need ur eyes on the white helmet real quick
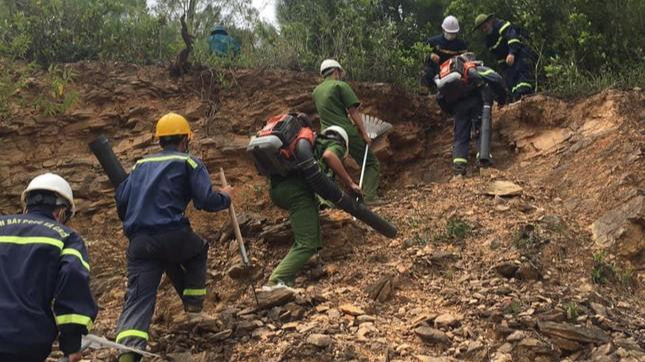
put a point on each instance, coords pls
(328, 64)
(450, 25)
(341, 132)
(51, 182)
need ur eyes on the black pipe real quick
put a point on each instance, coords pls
(327, 189)
(103, 151)
(485, 131)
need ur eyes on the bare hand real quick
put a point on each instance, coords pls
(366, 138)
(435, 58)
(510, 59)
(75, 357)
(228, 190)
(356, 190)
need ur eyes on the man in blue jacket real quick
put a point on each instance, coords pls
(222, 44)
(44, 276)
(444, 46)
(151, 202)
(514, 58)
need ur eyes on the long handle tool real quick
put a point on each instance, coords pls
(238, 234)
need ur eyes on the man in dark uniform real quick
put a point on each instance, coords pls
(44, 276)
(444, 46)
(151, 202)
(514, 58)
(469, 97)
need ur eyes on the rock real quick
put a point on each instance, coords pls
(574, 333)
(431, 335)
(475, 351)
(501, 357)
(534, 346)
(236, 271)
(622, 229)
(364, 330)
(423, 358)
(528, 271)
(333, 314)
(423, 318)
(599, 309)
(383, 289)
(365, 319)
(351, 310)
(507, 269)
(180, 357)
(245, 328)
(274, 298)
(222, 335)
(565, 344)
(319, 340)
(516, 336)
(503, 188)
(448, 320)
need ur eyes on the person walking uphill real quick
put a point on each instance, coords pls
(467, 89)
(444, 46)
(337, 105)
(514, 58)
(293, 192)
(44, 276)
(151, 202)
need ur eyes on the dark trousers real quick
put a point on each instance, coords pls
(182, 255)
(5, 357)
(467, 119)
(519, 77)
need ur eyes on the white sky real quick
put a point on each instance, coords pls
(266, 8)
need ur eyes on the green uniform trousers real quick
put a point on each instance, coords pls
(372, 169)
(293, 195)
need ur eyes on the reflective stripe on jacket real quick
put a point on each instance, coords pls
(154, 196)
(44, 284)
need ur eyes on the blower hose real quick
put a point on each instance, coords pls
(327, 189)
(103, 151)
(485, 132)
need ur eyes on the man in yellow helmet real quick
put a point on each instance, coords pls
(151, 202)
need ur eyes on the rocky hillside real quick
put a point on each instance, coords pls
(538, 259)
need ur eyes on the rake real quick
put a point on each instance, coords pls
(375, 128)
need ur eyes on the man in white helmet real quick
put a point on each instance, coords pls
(295, 193)
(44, 276)
(444, 46)
(337, 105)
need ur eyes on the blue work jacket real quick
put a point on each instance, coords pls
(44, 287)
(153, 198)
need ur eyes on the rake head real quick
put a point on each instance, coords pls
(375, 127)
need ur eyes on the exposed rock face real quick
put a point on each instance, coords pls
(622, 229)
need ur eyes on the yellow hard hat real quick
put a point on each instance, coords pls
(173, 124)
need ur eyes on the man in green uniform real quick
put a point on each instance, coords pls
(294, 194)
(337, 105)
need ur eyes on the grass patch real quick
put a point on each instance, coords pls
(604, 272)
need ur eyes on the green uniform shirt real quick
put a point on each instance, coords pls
(332, 99)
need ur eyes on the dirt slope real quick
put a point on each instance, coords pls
(471, 276)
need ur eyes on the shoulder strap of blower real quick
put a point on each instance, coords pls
(456, 64)
(290, 128)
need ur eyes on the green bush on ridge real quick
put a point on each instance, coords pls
(583, 46)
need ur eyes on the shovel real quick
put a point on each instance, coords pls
(249, 269)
